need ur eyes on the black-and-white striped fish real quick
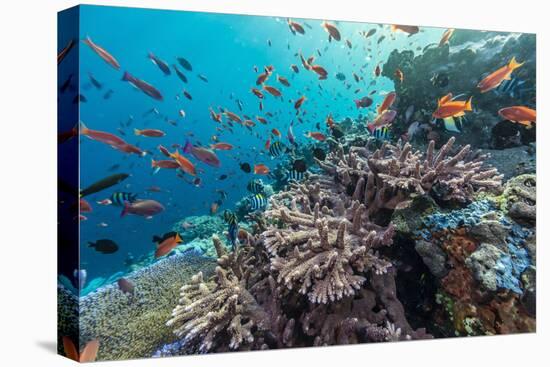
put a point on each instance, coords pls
(277, 149)
(257, 201)
(255, 186)
(293, 175)
(119, 198)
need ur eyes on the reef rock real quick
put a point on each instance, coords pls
(520, 194)
(199, 227)
(434, 257)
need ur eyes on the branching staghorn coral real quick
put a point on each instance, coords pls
(322, 252)
(386, 178)
(210, 313)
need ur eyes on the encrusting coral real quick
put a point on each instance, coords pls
(314, 273)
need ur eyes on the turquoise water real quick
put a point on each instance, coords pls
(225, 49)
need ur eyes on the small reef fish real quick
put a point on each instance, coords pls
(233, 117)
(187, 95)
(290, 135)
(151, 133)
(295, 68)
(255, 186)
(144, 208)
(101, 136)
(104, 246)
(167, 245)
(119, 198)
(163, 66)
(383, 119)
(387, 103)
(377, 71)
(261, 169)
(202, 154)
(513, 87)
(276, 132)
(245, 167)
(185, 64)
(164, 151)
(333, 32)
(494, 79)
(520, 114)
(142, 85)
(284, 81)
(203, 78)
(272, 90)
(65, 51)
(103, 184)
(106, 56)
(319, 70)
(364, 102)
(399, 75)
(125, 286)
(276, 149)
(293, 175)
(299, 102)
(295, 27)
(316, 135)
(447, 107)
(214, 207)
(257, 93)
(257, 201)
(180, 74)
(381, 133)
(233, 227)
(221, 146)
(184, 163)
(94, 81)
(409, 29)
(84, 206)
(168, 164)
(446, 37)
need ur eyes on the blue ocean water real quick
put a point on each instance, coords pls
(225, 49)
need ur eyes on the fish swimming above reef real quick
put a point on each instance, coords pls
(494, 79)
(388, 101)
(233, 227)
(65, 51)
(449, 107)
(520, 114)
(513, 87)
(409, 29)
(383, 119)
(255, 186)
(381, 133)
(104, 246)
(257, 202)
(277, 149)
(167, 244)
(142, 85)
(180, 74)
(144, 208)
(333, 32)
(103, 184)
(202, 154)
(106, 56)
(119, 198)
(364, 102)
(185, 164)
(163, 66)
(245, 167)
(293, 175)
(185, 64)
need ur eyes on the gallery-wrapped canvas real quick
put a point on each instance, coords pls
(234, 183)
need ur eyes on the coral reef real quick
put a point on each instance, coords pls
(132, 325)
(198, 227)
(463, 64)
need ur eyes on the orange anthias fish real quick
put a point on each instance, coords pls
(185, 164)
(272, 90)
(305, 63)
(63, 53)
(299, 102)
(233, 117)
(257, 93)
(152, 133)
(267, 144)
(164, 164)
(261, 169)
(295, 27)
(319, 70)
(107, 57)
(494, 79)
(214, 208)
(221, 146)
(330, 121)
(284, 81)
(399, 75)
(333, 32)
(166, 246)
(409, 29)
(316, 135)
(276, 132)
(520, 114)
(450, 108)
(446, 36)
(388, 102)
(88, 353)
(101, 136)
(215, 116)
(261, 119)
